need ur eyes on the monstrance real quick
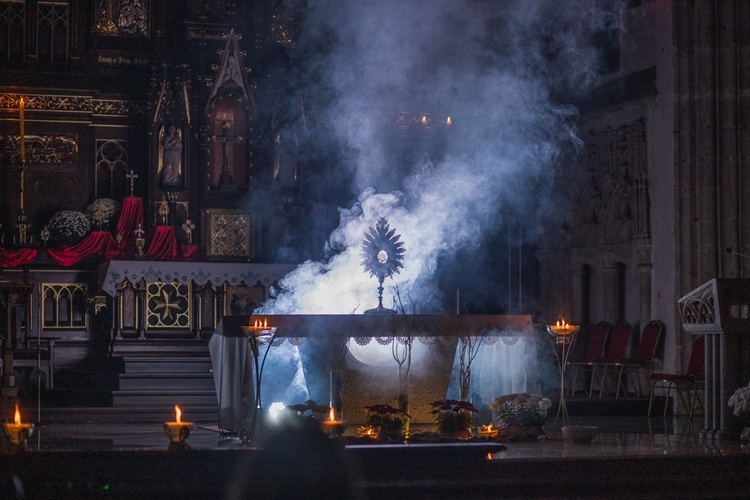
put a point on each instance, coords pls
(382, 256)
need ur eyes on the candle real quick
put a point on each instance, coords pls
(21, 106)
(17, 431)
(178, 431)
(368, 431)
(488, 431)
(333, 426)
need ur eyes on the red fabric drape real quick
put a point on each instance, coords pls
(13, 257)
(189, 252)
(100, 243)
(131, 216)
(162, 244)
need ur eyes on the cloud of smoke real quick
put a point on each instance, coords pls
(498, 69)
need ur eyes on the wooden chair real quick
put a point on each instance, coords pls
(35, 356)
(594, 349)
(640, 363)
(617, 348)
(690, 382)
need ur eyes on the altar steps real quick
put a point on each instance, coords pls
(162, 374)
(148, 414)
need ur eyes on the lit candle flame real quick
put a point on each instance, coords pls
(424, 120)
(17, 419)
(448, 121)
(332, 415)
(178, 414)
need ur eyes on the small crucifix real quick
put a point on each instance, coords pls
(132, 176)
(188, 227)
(225, 180)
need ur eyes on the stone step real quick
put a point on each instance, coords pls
(158, 348)
(166, 381)
(171, 364)
(162, 397)
(199, 414)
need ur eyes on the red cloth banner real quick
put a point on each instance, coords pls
(131, 217)
(14, 257)
(189, 252)
(162, 244)
(100, 243)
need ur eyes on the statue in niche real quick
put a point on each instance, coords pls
(133, 17)
(106, 15)
(171, 160)
(285, 159)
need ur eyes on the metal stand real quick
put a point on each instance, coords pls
(564, 338)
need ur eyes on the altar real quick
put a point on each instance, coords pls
(298, 354)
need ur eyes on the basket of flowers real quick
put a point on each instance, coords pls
(520, 414)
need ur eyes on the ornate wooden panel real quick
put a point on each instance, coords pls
(229, 235)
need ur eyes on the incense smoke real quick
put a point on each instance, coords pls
(500, 70)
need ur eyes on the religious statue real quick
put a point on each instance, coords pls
(171, 168)
(285, 159)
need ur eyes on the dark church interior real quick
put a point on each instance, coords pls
(270, 228)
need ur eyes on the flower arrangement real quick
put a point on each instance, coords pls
(740, 401)
(389, 421)
(102, 211)
(68, 226)
(520, 409)
(454, 417)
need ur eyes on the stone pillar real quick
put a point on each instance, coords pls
(645, 270)
(610, 292)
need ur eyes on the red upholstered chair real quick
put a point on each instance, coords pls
(640, 362)
(688, 383)
(597, 340)
(617, 348)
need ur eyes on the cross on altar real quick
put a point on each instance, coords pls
(188, 227)
(132, 176)
(225, 180)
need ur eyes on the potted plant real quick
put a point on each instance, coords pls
(387, 422)
(454, 417)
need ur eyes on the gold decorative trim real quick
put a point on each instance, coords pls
(168, 305)
(74, 104)
(64, 306)
(40, 148)
(230, 234)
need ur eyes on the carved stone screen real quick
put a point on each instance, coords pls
(229, 235)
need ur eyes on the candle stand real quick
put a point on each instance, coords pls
(562, 337)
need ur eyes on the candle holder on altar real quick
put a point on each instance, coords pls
(333, 427)
(18, 434)
(178, 432)
(489, 431)
(562, 334)
(368, 431)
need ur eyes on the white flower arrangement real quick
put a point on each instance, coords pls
(522, 409)
(68, 226)
(740, 400)
(102, 210)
